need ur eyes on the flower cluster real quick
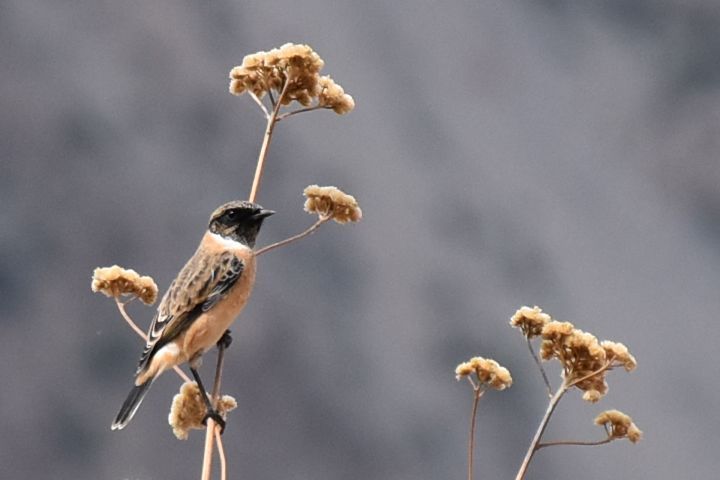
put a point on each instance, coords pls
(333, 96)
(618, 425)
(292, 71)
(188, 410)
(488, 372)
(530, 320)
(116, 281)
(332, 202)
(585, 361)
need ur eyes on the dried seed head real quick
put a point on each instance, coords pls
(332, 202)
(333, 96)
(116, 281)
(530, 320)
(188, 410)
(487, 371)
(295, 68)
(620, 354)
(585, 361)
(619, 425)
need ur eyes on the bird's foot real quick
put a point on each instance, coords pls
(215, 415)
(225, 340)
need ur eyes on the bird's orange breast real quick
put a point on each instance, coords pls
(210, 326)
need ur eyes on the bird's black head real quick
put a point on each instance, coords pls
(239, 220)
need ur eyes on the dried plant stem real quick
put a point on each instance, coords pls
(541, 429)
(300, 110)
(573, 442)
(133, 325)
(539, 364)
(607, 365)
(212, 430)
(207, 456)
(282, 243)
(221, 454)
(477, 393)
(271, 121)
(260, 104)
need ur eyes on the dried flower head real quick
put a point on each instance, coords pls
(530, 320)
(294, 69)
(116, 281)
(619, 425)
(333, 96)
(188, 410)
(619, 353)
(487, 371)
(332, 202)
(585, 361)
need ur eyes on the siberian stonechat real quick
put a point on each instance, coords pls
(202, 302)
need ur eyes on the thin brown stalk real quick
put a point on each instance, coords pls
(133, 325)
(207, 456)
(212, 428)
(300, 110)
(541, 429)
(592, 374)
(260, 104)
(271, 121)
(477, 393)
(282, 243)
(221, 455)
(573, 442)
(539, 364)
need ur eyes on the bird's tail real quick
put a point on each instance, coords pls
(131, 404)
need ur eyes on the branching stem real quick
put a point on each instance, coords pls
(300, 110)
(271, 120)
(539, 364)
(592, 374)
(541, 429)
(260, 104)
(133, 325)
(304, 234)
(573, 442)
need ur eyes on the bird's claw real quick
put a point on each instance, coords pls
(215, 415)
(225, 340)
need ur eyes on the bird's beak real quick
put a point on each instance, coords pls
(263, 213)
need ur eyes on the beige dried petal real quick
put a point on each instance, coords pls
(463, 370)
(530, 320)
(502, 379)
(333, 96)
(634, 434)
(620, 354)
(116, 281)
(557, 329)
(592, 396)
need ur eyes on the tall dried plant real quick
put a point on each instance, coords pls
(282, 82)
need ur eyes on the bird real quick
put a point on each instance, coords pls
(201, 303)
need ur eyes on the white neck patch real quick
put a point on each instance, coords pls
(228, 243)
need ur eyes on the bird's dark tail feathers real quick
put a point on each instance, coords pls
(131, 404)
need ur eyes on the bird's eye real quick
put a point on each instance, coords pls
(233, 214)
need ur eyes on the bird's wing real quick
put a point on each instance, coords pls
(202, 282)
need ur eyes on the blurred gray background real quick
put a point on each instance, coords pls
(558, 153)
